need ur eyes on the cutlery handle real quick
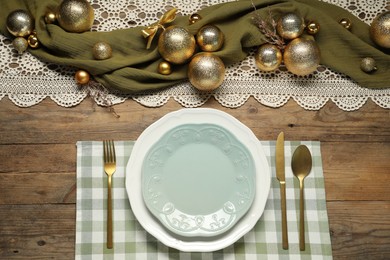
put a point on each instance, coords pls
(302, 218)
(284, 214)
(109, 214)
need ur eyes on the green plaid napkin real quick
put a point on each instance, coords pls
(131, 241)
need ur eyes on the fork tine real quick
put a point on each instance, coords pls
(113, 157)
(109, 151)
(105, 150)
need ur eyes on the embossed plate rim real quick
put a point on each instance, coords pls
(239, 198)
(134, 190)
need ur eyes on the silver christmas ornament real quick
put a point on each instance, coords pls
(75, 15)
(368, 65)
(20, 44)
(290, 26)
(20, 23)
(210, 38)
(102, 51)
(268, 57)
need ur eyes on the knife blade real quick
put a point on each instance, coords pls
(280, 174)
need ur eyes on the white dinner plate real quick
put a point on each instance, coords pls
(155, 132)
(198, 180)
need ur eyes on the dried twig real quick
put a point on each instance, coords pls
(268, 28)
(99, 93)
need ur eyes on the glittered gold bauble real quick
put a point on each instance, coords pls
(82, 77)
(20, 44)
(50, 17)
(206, 71)
(75, 15)
(268, 57)
(209, 38)
(290, 26)
(20, 23)
(33, 41)
(346, 23)
(102, 51)
(194, 18)
(176, 44)
(380, 30)
(301, 56)
(312, 27)
(164, 68)
(368, 65)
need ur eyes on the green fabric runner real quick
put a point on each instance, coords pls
(133, 68)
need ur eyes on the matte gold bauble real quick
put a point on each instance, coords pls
(82, 77)
(194, 18)
(50, 18)
(164, 68)
(33, 41)
(380, 30)
(206, 71)
(346, 23)
(102, 51)
(268, 57)
(75, 15)
(312, 28)
(209, 38)
(301, 56)
(176, 44)
(20, 44)
(290, 26)
(20, 23)
(368, 65)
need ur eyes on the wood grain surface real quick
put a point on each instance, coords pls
(38, 168)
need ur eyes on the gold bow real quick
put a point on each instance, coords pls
(151, 30)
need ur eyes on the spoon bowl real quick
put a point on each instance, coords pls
(301, 164)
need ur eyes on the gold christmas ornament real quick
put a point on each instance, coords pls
(176, 44)
(301, 56)
(82, 77)
(368, 65)
(312, 28)
(164, 68)
(268, 57)
(290, 26)
(151, 31)
(102, 51)
(210, 38)
(20, 23)
(380, 30)
(33, 41)
(75, 15)
(194, 18)
(346, 23)
(206, 71)
(50, 17)
(20, 44)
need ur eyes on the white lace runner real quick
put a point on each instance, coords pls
(27, 81)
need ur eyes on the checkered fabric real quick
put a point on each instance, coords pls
(131, 241)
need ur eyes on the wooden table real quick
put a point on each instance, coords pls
(38, 168)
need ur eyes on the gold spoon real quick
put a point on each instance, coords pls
(301, 166)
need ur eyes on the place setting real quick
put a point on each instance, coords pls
(199, 183)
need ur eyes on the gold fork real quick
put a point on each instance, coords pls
(109, 168)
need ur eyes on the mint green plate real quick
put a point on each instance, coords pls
(198, 180)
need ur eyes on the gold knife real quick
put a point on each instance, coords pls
(280, 174)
